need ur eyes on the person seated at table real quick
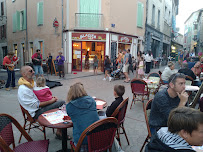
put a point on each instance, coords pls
(168, 71)
(42, 91)
(185, 129)
(166, 100)
(118, 93)
(191, 63)
(197, 70)
(28, 99)
(185, 70)
(82, 110)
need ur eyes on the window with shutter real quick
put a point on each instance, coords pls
(40, 13)
(91, 9)
(17, 20)
(140, 11)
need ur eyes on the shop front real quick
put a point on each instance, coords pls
(85, 46)
(124, 42)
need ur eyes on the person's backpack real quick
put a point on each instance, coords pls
(130, 59)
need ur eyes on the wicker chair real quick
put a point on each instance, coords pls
(100, 136)
(147, 110)
(119, 113)
(32, 123)
(139, 89)
(7, 137)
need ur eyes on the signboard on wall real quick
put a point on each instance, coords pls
(88, 36)
(124, 39)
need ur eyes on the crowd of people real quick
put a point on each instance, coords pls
(174, 126)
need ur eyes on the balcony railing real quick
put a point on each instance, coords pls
(89, 21)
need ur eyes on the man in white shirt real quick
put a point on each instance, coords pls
(148, 60)
(27, 98)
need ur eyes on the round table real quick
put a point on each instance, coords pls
(44, 122)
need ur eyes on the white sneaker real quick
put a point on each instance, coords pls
(110, 78)
(104, 79)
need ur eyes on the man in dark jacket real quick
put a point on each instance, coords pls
(185, 129)
(185, 70)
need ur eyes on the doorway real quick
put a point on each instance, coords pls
(84, 53)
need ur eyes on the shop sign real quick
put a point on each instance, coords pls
(88, 36)
(125, 39)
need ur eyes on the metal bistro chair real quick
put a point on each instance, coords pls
(32, 123)
(100, 136)
(119, 113)
(147, 110)
(7, 137)
(155, 87)
(139, 88)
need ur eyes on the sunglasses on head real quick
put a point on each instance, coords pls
(177, 75)
(31, 71)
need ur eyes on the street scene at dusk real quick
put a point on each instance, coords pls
(101, 75)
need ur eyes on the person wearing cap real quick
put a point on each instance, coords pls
(60, 59)
(37, 63)
(7, 62)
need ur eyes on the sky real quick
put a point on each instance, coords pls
(186, 8)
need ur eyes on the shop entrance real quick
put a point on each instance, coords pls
(84, 53)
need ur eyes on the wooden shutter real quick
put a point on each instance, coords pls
(17, 20)
(40, 13)
(14, 22)
(24, 20)
(140, 8)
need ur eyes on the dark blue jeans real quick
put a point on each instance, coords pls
(11, 78)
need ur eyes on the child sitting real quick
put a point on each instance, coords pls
(42, 91)
(119, 90)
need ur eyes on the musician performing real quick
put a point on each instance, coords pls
(9, 64)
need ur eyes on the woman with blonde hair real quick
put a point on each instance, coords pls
(82, 110)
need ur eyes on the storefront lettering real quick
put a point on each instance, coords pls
(124, 39)
(89, 36)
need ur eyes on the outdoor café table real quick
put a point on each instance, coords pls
(151, 84)
(101, 104)
(63, 126)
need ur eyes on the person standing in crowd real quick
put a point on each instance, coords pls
(37, 63)
(166, 100)
(141, 68)
(185, 129)
(168, 71)
(107, 67)
(119, 59)
(139, 54)
(130, 62)
(180, 58)
(148, 60)
(7, 63)
(60, 59)
(49, 61)
(95, 64)
(125, 66)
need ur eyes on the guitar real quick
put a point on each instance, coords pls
(11, 68)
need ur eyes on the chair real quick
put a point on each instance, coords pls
(147, 110)
(7, 137)
(32, 123)
(189, 80)
(155, 87)
(100, 135)
(119, 113)
(139, 88)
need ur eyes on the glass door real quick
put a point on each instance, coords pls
(77, 60)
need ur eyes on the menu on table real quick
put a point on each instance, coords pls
(55, 117)
(100, 104)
